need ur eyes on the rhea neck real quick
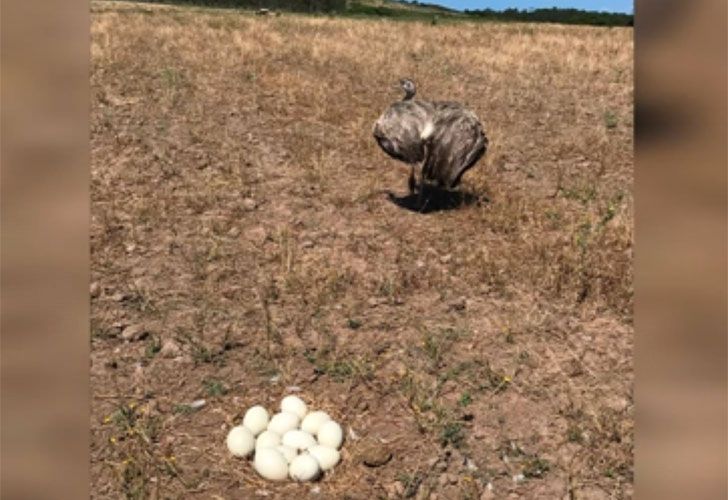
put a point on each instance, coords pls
(409, 93)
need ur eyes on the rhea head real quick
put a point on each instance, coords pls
(409, 88)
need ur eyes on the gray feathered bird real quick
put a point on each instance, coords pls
(445, 138)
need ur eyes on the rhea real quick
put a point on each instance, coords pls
(444, 139)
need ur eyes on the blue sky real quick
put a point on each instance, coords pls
(607, 5)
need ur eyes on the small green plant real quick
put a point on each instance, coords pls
(405, 478)
(133, 480)
(130, 421)
(584, 193)
(136, 430)
(623, 470)
(171, 77)
(452, 434)
(124, 418)
(432, 347)
(339, 370)
(154, 345)
(310, 356)
(554, 217)
(491, 379)
(582, 235)
(183, 409)
(138, 300)
(353, 323)
(101, 332)
(214, 388)
(387, 288)
(465, 399)
(436, 344)
(410, 482)
(535, 467)
(574, 434)
(610, 120)
(200, 352)
(203, 354)
(456, 371)
(611, 209)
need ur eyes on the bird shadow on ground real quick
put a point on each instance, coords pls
(436, 200)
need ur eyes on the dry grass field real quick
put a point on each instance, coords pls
(244, 246)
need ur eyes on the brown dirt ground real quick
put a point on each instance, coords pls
(243, 247)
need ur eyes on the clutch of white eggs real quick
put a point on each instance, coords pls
(293, 442)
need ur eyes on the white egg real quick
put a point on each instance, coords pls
(326, 457)
(298, 439)
(288, 452)
(304, 468)
(295, 405)
(283, 422)
(267, 439)
(240, 441)
(330, 434)
(256, 419)
(270, 464)
(312, 422)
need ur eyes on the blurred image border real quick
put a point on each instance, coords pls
(44, 269)
(680, 265)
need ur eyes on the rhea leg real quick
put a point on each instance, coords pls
(420, 189)
(425, 173)
(412, 181)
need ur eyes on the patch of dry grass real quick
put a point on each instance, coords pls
(238, 217)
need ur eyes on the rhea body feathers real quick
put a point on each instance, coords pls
(445, 138)
(403, 128)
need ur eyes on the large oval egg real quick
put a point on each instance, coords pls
(304, 468)
(330, 434)
(256, 419)
(270, 464)
(313, 421)
(283, 422)
(295, 405)
(298, 439)
(288, 453)
(326, 457)
(240, 441)
(267, 439)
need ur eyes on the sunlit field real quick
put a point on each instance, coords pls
(248, 240)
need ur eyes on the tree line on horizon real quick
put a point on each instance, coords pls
(433, 12)
(556, 15)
